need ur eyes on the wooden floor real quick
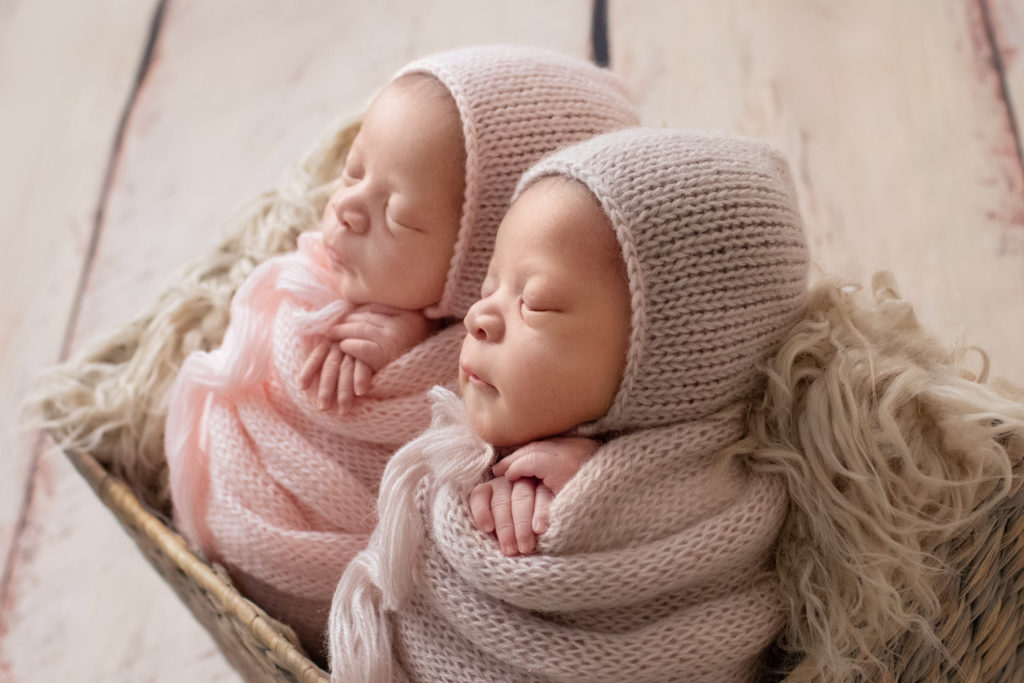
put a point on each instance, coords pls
(129, 128)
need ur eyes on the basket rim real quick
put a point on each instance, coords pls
(132, 514)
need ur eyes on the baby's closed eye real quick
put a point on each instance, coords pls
(535, 307)
(397, 220)
(533, 301)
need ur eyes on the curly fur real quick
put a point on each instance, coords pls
(890, 446)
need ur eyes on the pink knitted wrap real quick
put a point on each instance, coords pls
(282, 494)
(657, 563)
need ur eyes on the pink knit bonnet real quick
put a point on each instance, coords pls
(716, 259)
(517, 104)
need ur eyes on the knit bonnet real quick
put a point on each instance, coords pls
(517, 104)
(716, 260)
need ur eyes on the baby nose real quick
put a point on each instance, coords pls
(349, 215)
(354, 220)
(483, 323)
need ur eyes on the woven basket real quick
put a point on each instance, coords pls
(116, 444)
(255, 644)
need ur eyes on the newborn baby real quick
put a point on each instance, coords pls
(276, 441)
(638, 282)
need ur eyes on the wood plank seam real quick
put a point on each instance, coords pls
(19, 527)
(600, 52)
(115, 154)
(999, 66)
(83, 278)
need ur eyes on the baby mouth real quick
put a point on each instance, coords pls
(335, 256)
(475, 379)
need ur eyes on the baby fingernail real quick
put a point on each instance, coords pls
(508, 549)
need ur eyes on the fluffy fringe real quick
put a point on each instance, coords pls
(889, 447)
(111, 399)
(360, 631)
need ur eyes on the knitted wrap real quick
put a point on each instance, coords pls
(517, 104)
(657, 562)
(716, 258)
(282, 494)
(277, 491)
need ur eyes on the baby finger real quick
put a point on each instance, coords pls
(501, 510)
(542, 509)
(313, 364)
(369, 352)
(362, 378)
(329, 378)
(346, 394)
(480, 507)
(522, 515)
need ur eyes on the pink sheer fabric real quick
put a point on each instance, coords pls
(277, 491)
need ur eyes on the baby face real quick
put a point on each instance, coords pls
(390, 227)
(546, 344)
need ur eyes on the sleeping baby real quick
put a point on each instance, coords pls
(638, 283)
(277, 440)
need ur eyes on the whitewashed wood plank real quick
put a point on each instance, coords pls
(240, 89)
(86, 606)
(1005, 18)
(900, 146)
(66, 73)
(58, 128)
(237, 90)
(58, 118)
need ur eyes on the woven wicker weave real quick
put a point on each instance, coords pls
(983, 622)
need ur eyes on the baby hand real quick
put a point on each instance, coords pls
(515, 512)
(515, 505)
(339, 374)
(551, 461)
(355, 349)
(376, 334)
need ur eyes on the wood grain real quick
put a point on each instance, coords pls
(58, 119)
(892, 117)
(1006, 22)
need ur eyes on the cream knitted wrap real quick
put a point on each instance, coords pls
(281, 494)
(652, 572)
(657, 562)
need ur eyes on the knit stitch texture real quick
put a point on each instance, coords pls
(657, 563)
(281, 494)
(517, 104)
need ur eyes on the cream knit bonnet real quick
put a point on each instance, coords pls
(517, 104)
(716, 259)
